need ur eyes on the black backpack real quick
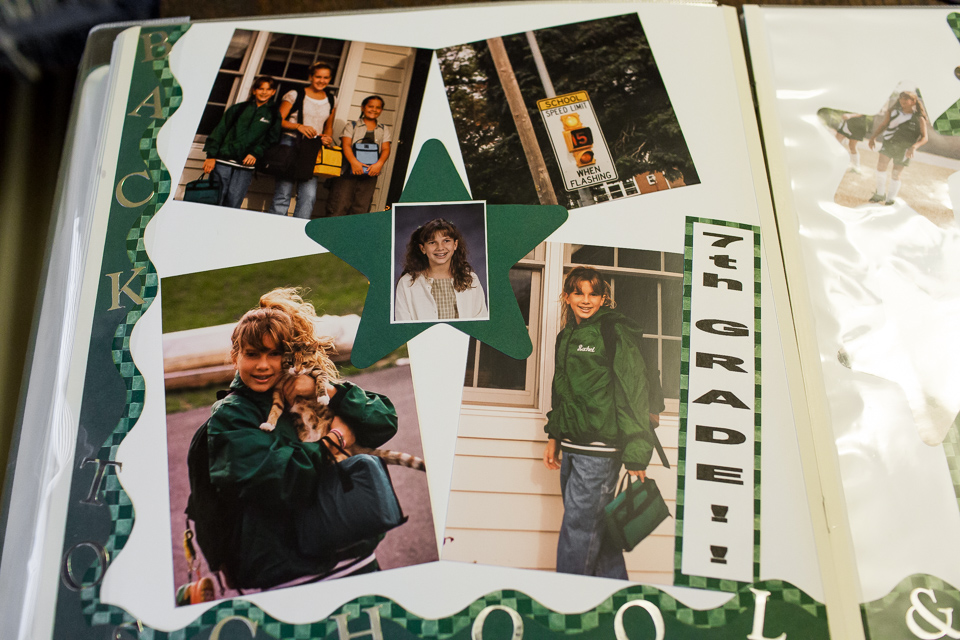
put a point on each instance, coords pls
(212, 512)
(294, 162)
(655, 399)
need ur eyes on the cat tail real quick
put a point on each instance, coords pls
(398, 458)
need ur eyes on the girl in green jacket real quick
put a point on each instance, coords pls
(599, 420)
(244, 132)
(271, 477)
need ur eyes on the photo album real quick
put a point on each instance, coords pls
(499, 321)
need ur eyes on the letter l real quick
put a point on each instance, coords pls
(759, 614)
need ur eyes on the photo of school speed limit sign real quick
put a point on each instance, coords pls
(577, 140)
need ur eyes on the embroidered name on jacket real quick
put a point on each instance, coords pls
(583, 348)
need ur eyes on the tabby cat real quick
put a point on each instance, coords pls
(313, 416)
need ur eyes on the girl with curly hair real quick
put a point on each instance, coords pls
(438, 282)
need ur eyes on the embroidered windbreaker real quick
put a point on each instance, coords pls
(272, 476)
(600, 398)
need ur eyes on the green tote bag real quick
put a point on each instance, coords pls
(635, 512)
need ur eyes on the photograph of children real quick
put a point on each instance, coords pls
(440, 262)
(896, 157)
(609, 59)
(543, 443)
(306, 126)
(250, 467)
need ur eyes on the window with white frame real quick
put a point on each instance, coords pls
(494, 378)
(646, 285)
(607, 191)
(284, 56)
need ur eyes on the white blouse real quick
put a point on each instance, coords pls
(416, 303)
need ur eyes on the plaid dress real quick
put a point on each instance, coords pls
(446, 298)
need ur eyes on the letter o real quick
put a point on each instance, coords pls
(126, 202)
(476, 633)
(66, 571)
(655, 615)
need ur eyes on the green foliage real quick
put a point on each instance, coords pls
(217, 297)
(610, 59)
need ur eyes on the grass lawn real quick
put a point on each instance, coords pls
(217, 297)
(221, 296)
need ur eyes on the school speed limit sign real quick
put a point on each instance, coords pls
(577, 140)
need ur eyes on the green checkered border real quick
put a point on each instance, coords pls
(680, 578)
(121, 509)
(951, 449)
(948, 124)
(443, 628)
(901, 593)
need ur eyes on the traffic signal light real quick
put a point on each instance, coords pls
(579, 139)
(584, 158)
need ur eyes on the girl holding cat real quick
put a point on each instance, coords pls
(270, 476)
(599, 420)
(438, 282)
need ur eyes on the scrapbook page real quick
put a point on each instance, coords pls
(374, 317)
(864, 169)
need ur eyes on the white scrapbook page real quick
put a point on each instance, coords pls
(487, 202)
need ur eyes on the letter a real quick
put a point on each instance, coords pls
(722, 397)
(153, 99)
(759, 615)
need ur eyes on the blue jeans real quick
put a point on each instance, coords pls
(588, 484)
(306, 193)
(234, 183)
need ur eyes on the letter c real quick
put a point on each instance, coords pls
(251, 627)
(126, 202)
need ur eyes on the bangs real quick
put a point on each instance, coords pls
(256, 325)
(436, 227)
(575, 281)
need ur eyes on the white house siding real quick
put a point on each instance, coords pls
(505, 507)
(369, 69)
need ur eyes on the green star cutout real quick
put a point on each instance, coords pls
(364, 242)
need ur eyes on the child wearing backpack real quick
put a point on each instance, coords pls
(244, 132)
(902, 131)
(599, 421)
(366, 147)
(309, 113)
(247, 510)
